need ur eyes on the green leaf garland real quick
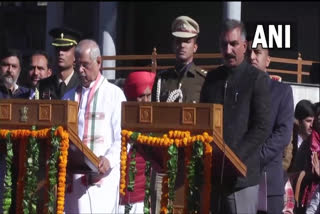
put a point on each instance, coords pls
(127, 208)
(147, 173)
(7, 196)
(172, 165)
(32, 167)
(195, 177)
(132, 169)
(53, 169)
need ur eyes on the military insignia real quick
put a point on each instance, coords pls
(202, 72)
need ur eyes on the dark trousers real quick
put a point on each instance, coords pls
(244, 201)
(275, 204)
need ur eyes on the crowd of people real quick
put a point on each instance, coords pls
(278, 142)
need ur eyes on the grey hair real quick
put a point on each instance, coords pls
(231, 24)
(94, 52)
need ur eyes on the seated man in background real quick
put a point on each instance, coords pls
(304, 115)
(10, 69)
(311, 193)
(137, 87)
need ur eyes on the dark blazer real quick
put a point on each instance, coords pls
(20, 93)
(245, 95)
(51, 84)
(282, 118)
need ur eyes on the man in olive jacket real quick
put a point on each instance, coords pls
(244, 92)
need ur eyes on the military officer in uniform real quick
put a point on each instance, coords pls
(64, 79)
(184, 82)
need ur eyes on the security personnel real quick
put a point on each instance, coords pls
(182, 83)
(65, 78)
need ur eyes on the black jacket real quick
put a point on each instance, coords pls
(51, 84)
(245, 95)
(20, 93)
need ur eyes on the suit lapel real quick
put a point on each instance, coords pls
(74, 82)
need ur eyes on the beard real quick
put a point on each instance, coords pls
(8, 81)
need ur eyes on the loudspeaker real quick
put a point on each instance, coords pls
(315, 73)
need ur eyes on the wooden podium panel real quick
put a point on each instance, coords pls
(154, 117)
(23, 114)
(160, 118)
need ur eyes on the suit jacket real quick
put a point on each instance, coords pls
(282, 118)
(245, 95)
(20, 93)
(51, 84)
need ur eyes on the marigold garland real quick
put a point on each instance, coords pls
(207, 159)
(165, 195)
(180, 139)
(123, 161)
(63, 156)
(63, 161)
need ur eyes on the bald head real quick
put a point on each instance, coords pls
(91, 46)
(88, 61)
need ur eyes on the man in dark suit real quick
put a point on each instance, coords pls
(282, 119)
(64, 79)
(244, 92)
(10, 69)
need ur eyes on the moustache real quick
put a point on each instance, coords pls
(229, 56)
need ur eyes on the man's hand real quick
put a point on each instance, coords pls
(104, 165)
(315, 163)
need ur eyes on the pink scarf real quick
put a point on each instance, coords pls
(311, 187)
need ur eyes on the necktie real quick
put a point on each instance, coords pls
(62, 89)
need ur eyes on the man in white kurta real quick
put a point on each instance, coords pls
(100, 129)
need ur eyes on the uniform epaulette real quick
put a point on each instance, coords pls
(202, 71)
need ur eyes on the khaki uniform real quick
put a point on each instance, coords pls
(189, 79)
